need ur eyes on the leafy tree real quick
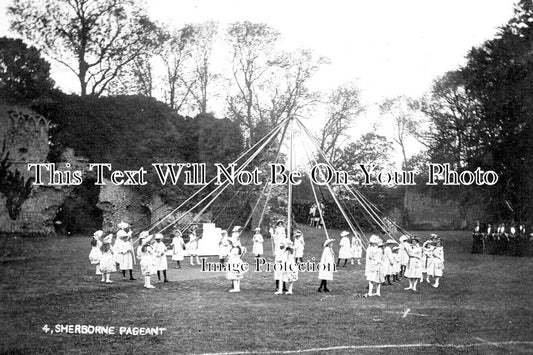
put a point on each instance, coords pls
(95, 39)
(484, 112)
(135, 131)
(13, 186)
(371, 149)
(24, 75)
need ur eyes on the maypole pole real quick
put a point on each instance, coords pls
(289, 198)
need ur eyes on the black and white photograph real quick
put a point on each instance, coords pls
(266, 177)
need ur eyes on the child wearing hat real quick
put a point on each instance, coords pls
(388, 260)
(345, 248)
(192, 245)
(326, 266)
(414, 268)
(299, 245)
(124, 253)
(373, 268)
(234, 271)
(396, 265)
(427, 258)
(107, 261)
(290, 271)
(160, 253)
(437, 265)
(146, 258)
(404, 256)
(357, 249)
(95, 255)
(257, 248)
(177, 248)
(224, 247)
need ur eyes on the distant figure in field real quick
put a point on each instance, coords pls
(477, 240)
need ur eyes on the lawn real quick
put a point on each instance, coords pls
(483, 305)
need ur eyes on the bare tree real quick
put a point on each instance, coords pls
(176, 55)
(343, 107)
(95, 39)
(202, 50)
(286, 92)
(252, 46)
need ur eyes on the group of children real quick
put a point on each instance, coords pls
(383, 259)
(407, 259)
(109, 255)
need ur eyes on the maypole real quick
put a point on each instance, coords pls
(289, 197)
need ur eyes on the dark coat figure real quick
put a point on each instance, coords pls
(477, 240)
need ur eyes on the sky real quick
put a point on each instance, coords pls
(388, 47)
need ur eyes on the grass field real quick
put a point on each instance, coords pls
(484, 305)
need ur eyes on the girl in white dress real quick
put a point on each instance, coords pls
(327, 265)
(404, 256)
(257, 248)
(388, 260)
(357, 249)
(95, 255)
(437, 265)
(427, 257)
(107, 261)
(177, 249)
(124, 253)
(373, 269)
(299, 246)
(192, 245)
(234, 271)
(224, 247)
(345, 250)
(145, 254)
(414, 267)
(396, 266)
(160, 253)
(290, 271)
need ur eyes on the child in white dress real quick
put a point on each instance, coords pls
(234, 270)
(146, 258)
(160, 253)
(373, 270)
(357, 249)
(95, 255)
(178, 245)
(107, 261)
(257, 248)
